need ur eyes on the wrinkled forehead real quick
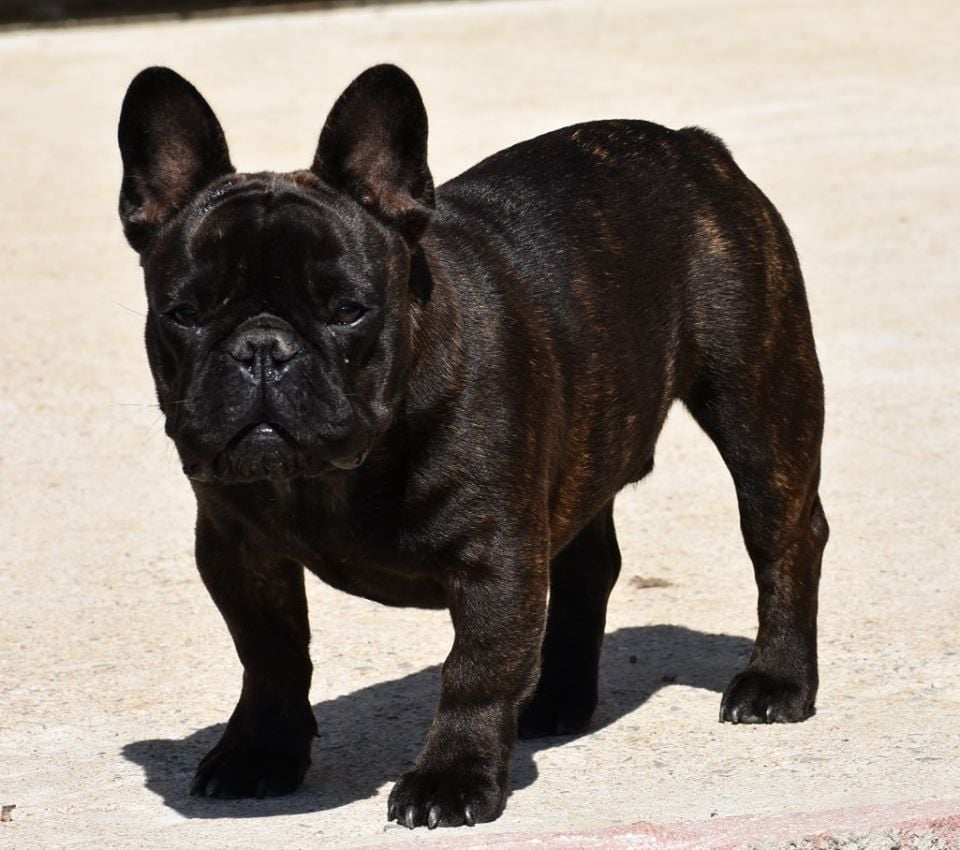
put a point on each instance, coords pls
(273, 223)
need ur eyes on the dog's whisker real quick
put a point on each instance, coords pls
(152, 431)
(128, 309)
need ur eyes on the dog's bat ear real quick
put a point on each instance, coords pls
(172, 146)
(374, 147)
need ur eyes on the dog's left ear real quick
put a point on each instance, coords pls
(374, 147)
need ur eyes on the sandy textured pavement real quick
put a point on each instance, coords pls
(115, 668)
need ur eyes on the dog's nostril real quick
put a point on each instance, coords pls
(285, 348)
(240, 350)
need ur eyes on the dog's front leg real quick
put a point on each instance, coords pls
(265, 749)
(461, 775)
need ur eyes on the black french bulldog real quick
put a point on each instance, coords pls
(431, 398)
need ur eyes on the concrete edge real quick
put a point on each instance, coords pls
(927, 825)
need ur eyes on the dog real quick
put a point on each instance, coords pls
(431, 398)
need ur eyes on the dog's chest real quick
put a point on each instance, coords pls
(364, 553)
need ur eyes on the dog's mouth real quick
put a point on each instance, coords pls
(260, 450)
(266, 450)
(262, 432)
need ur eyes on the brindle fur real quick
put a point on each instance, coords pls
(530, 324)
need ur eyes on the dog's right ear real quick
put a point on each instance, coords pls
(172, 146)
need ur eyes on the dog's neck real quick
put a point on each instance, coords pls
(438, 360)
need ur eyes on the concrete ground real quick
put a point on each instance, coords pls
(116, 672)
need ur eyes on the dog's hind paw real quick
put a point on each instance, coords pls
(230, 773)
(757, 697)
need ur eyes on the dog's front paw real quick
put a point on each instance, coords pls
(230, 772)
(451, 797)
(757, 697)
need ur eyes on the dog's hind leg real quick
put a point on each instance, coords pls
(776, 471)
(758, 394)
(581, 578)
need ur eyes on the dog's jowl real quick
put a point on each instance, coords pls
(431, 398)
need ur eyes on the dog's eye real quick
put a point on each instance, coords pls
(347, 312)
(185, 314)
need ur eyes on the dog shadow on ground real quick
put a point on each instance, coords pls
(369, 737)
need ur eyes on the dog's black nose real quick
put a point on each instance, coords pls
(263, 344)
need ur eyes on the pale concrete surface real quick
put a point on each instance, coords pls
(896, 826)
(115, 669)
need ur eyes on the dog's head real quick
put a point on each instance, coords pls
(279, 305)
